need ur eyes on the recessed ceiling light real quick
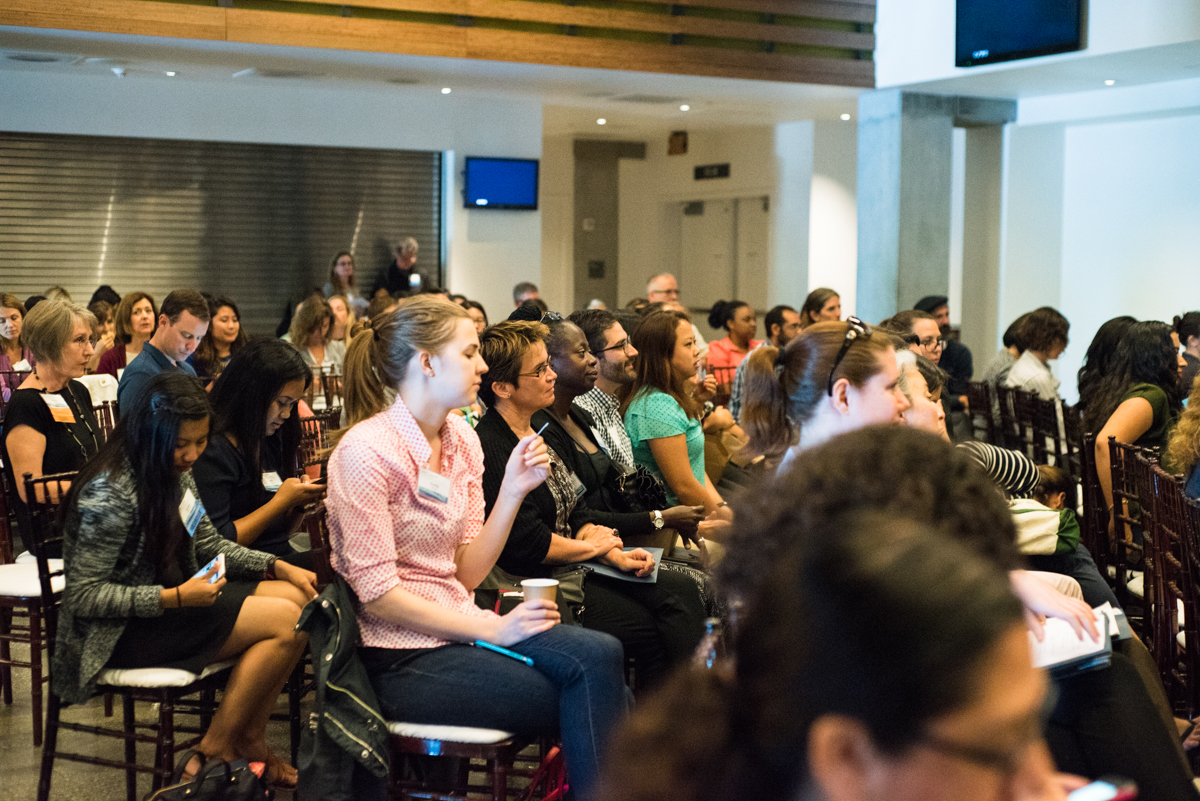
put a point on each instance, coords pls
(1109, 82)
(169, 73)
(685, 107)
(601, 121)
(33, 58)
(845, 117)
(445, 90)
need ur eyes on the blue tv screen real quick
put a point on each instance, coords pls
(501, 183)
(989, 31)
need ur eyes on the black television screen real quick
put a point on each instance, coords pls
(989, 31)
(501, 183)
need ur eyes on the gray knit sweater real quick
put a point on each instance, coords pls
(109, 578)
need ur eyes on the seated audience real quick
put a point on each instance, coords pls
(738, 320)
(182, 323)
(14, 355)
(1044, 335)
(1137, 400)
(922, 383)
(105, 294)
(1013, 346)
(58, 292)
(1104, 721)
(524, 291)
(381, 304)
(246, 476)
(610, 345)
(49, 425)
(1097, 362)
(823, 305)
(224, 338)
(342, 282)
(1183, 449)
(783, 325)
(343, 319)
(1187, 328)
(920, 332)
(662, 407)
(958, 363)
(133, 599)
(134, 322)
(879, 660)
(104, 334)
(478, 315)
(396, 278)
(410, 535)
(834, 377)
(309, 334)
(659, 624)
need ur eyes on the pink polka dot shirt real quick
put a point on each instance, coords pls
(385, 534)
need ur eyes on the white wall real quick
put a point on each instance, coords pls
(915, 38)
(487, 252)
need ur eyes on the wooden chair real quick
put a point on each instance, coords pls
(497, 749)
(21, 618)
(1010, 433)
(724, 376)
(1127, 523)
(1175, 609)
(168, 688)
(981, 397)
(1073, 447)
(106, 416)
(10, 380)
(1184, 683)
(314, 437)
(1094, 528)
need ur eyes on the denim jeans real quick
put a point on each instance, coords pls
(575, 687)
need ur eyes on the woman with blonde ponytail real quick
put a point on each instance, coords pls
(408, 532)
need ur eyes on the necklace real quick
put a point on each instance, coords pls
(65, 394)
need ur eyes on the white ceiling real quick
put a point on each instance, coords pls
(633, 103)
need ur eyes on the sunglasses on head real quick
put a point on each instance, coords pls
(857, 330)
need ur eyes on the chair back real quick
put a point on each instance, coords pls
(106, 417)
(1094, 531)
(9, 381)
(1127, 514)
(981, 397)
(327, 389)
(1188, 684)
(1140, 466)
(41, 527)
(1175, 604)
(7, 518)
(315, 524)
(1011, 435)
(314, 437)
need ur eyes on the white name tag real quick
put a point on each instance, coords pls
(433, 486)
(271, 481)
(190, 510)
(59, 409)
(577, 485)
(21, 366)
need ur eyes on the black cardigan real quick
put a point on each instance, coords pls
(525, 551)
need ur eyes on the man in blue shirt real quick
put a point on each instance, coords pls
(182, 323)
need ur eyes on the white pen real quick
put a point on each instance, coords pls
(543, 428)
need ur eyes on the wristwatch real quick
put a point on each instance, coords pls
(658, 519)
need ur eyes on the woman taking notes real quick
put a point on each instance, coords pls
(408, 533)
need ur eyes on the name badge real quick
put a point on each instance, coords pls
(22, 366)
(577, 485)
(433, 485)
(271, 481)
(59, 409)
(190, 511)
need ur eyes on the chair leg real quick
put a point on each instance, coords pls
(5, 655)
(164, 756)
(499, 780)
(293, 690)
(108, 705)
(130, 727)
(49, 745)
(36, 635)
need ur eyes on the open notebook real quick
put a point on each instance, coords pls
(1065, 653)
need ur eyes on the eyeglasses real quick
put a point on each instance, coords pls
(857, 330)
(552, 317)
(624, 344)
(539, 373)
(1006, 763)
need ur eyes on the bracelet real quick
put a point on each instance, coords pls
(178, 599)
(270, 571)
(722, 503)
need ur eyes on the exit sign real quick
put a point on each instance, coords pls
(712, 171)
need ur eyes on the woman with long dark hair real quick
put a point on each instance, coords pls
(246, 476)
(1138, 399)
(135, 538)
(1097, 362)
(225, 337)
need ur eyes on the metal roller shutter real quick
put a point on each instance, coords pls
(258, 223)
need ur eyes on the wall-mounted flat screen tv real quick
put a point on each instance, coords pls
(989, 31)
(501, 183)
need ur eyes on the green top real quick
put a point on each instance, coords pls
(654, 414)
(1160, 427)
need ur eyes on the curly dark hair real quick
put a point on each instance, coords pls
(893, 469)
(723, 311)
(1145, 355)
(1044, 328)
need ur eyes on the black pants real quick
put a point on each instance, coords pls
(1105, 723)
(1081, 567)
(659, 624)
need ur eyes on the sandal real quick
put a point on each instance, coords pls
(279, 774)
(188, 776)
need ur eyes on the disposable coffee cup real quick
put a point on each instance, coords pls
(540, 589)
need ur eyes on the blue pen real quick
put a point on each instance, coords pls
(505, 651)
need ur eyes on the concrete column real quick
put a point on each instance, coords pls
(596, 215)
(981, 240)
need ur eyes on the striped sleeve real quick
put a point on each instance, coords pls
(1015, 472)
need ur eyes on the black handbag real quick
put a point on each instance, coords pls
(217, 780)
(637, 491)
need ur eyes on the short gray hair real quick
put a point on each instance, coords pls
(49, 325)
(407, 245)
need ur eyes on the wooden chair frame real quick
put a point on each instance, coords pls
(1127, 513)
(981, 398)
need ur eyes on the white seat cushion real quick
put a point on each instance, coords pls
(156, 677)
(1181, 638)
(1136, 583)
(21, 581)
(27, 558)
(449, 734)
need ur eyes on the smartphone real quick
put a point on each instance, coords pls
(1108, 788)
(219, 562)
